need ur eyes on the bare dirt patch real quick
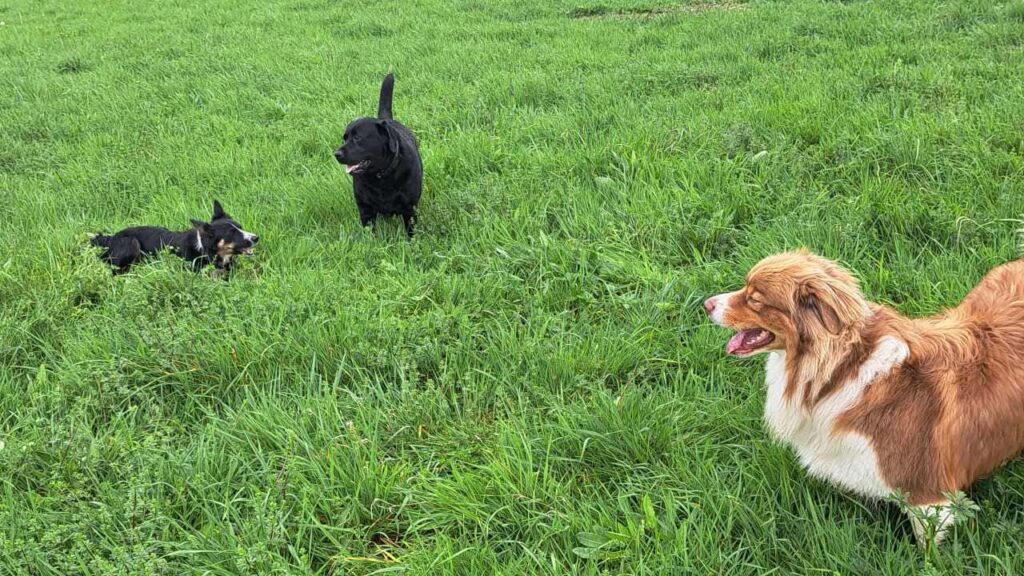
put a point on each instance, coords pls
(605, 12)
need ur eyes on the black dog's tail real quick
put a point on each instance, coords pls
(100, 240)
(387, 91)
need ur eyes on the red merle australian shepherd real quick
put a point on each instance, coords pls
(876, 402)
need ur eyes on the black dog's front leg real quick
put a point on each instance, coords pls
(222, 272)
(367, 215)
(222, 267)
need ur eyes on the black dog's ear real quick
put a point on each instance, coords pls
(388, 131)
(218, 211)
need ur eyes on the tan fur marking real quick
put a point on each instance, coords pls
(225, 251)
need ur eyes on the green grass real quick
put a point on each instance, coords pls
(533, 374)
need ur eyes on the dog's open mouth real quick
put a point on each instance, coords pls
(746, 342)
(247, 251)
(355, 168)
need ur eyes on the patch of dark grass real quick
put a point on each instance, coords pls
(72, 66)
(742, 139)
(308, 6)
(368, 30)
(1015, 12)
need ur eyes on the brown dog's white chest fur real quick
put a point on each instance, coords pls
(844, 457)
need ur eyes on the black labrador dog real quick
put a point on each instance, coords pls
(384, 160)
(216, 242)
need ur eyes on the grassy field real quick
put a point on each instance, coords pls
(530, 386)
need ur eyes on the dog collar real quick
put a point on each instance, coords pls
(391, 167)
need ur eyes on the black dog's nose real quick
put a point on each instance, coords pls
(255, 239)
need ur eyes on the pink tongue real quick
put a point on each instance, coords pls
(735, 343)
(349, 169)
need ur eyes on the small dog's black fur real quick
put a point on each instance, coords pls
(216, 242)
(384, 160)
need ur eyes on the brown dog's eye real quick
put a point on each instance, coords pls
(754, 301)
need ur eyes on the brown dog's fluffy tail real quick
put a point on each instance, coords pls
(387, 91)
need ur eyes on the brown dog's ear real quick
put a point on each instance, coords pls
(833, 304)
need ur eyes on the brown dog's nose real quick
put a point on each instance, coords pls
(709, 305)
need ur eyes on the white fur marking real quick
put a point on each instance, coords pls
(246, 235)
(199, 241)
(945, 517)
(845, 458)
(721, 305)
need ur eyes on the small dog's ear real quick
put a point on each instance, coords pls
(218, 211)
(388, 131)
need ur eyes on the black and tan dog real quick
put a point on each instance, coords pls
(216, 242)
(383, 159)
